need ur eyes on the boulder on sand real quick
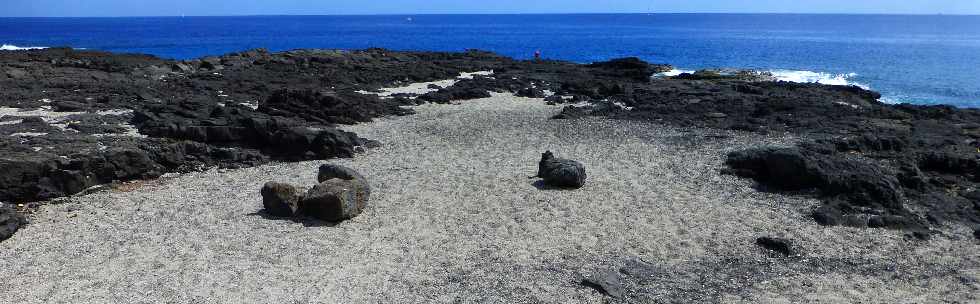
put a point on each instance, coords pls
(280, 199)
(331, 171)
(559, 172)
(335, 200)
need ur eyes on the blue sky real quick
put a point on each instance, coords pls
(326, 7)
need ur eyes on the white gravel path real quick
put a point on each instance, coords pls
(454, 218)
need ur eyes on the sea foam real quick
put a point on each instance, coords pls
(799, 76)
(10, 47)
(817, 77)
(673, 72)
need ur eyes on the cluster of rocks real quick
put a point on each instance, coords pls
(342, 193)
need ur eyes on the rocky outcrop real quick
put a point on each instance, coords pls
(330, 107)
(857, 192)
(561, 173)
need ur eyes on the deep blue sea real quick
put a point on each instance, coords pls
(916, 59)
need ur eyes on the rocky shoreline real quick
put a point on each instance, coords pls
(75, 119)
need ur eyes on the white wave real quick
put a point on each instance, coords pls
(673, 72)
(10, 47)
(817, 77)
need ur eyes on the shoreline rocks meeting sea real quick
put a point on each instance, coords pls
(77, 124)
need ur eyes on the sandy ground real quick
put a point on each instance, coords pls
(454, 218)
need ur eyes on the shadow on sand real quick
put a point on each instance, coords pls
(545, 187)
(305, 220)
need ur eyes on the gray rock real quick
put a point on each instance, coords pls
(335, 200)
(16, 73)
(280, 199)
(561, 172)
(608, 282)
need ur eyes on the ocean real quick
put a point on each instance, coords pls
(915, 59)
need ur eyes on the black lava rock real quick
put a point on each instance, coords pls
(10, 221)
(779, 245)
(280, 199)
(561, 173)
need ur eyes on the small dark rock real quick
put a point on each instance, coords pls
(779, 245)
(280, 199)
(559, 172)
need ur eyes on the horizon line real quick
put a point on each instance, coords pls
(512, 13)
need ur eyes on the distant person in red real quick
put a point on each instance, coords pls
(537, 55)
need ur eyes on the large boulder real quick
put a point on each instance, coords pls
(561, 173)
(280, 199)
(331, 171)
(335, 200)
(10, 221)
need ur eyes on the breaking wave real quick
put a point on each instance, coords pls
(795, 76)
(10, 47)
(673, 72)
(817, 77)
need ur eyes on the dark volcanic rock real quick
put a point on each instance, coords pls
(332, 171)
(10, 221)
(779, 245)
(630, 67)
(462, 90)
(334, 200)
(561, 173)
(280, 199)
(857, 193)
(331, 107)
